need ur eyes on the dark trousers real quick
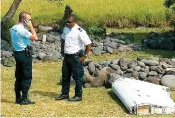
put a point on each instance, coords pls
(72, 67)
(23, 72)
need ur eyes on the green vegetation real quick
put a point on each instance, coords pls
(97, 102)
(113, 13)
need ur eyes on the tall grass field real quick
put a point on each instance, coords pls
(112, 13)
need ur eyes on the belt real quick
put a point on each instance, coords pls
(19, 51)
(72, 54)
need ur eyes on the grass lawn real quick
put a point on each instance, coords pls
(97, 102)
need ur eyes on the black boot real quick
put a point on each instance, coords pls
(75, 99)
(25, 100)
(62, 97)
(18, 98)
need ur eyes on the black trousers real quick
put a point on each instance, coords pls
(23, 72)
(72, 67)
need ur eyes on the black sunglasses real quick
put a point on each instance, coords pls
(69, 21)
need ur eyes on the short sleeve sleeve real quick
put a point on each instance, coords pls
(65, 32)
(25, 33)
(84, 37)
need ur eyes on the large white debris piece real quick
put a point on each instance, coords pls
(143, 98)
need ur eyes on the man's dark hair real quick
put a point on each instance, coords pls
(73, 16)
(22, 15)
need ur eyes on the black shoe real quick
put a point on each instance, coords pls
(26, 102)
(75, 98)
(62, 97)
(18, 97)
(18, 101)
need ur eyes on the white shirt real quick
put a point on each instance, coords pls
(75, 39)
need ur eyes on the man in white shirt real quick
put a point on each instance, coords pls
(75, 39)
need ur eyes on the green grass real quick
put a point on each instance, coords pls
(97, 102)
(94, 12)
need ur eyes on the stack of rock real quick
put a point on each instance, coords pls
(156, 71)
(48, 46)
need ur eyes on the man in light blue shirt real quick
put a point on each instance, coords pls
(21, 37)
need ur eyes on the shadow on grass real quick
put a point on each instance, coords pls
(7, 101)
(161, 53)
(117, 100)
(44, 93)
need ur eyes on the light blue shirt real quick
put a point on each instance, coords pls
(20, 37)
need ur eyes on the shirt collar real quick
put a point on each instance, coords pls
(21, 25)
(75, 27)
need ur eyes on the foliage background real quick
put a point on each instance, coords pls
(111, 13)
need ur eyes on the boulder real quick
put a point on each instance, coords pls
(168, 80)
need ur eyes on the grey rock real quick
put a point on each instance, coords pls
(114, 76)
(142, 69)
(50, 58)
(173, 60)
(5, 46)
(45, 28)
(119, 72)
(51, 38)
(137, 68)
(6, 54)
(8, 61)
(109, 50)
(124, 48)
(122, 62)
(154, 80)
(130, 70)
(153, 68)
(168, 80)
(41, 55)
(164, 60)
(119, 41)
(115, 67)
(171, 63)
(135, 74)
(91, 67)
(152, 73)
(87, 85)
(97, 50)
(160, 70)
(114, 61)
(141, 64)
(164, 65)
(150, 63)
(154, 59)
(127, 75)
(98, 66)
(142, 75)
(132, 64)
(124, 67)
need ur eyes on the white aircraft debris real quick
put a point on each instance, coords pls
(143, 98)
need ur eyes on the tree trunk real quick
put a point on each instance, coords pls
(6, 19)
(11, 12)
